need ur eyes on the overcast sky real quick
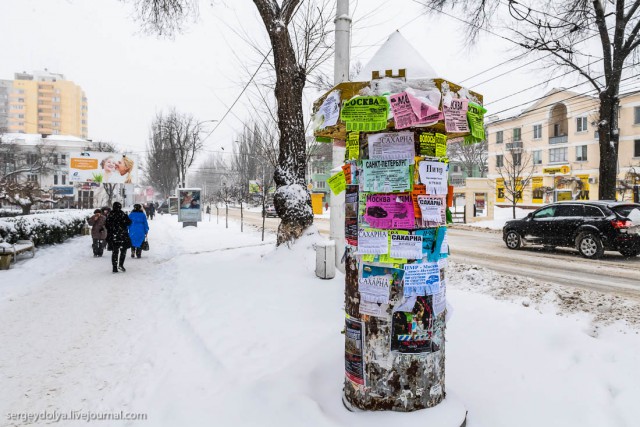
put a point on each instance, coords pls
(128, 76)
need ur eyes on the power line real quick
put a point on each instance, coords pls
(239, 95)
(570, 87)
(531, 87)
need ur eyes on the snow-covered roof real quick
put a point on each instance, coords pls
(36, 139)
(397, 53)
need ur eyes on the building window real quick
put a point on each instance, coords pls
(636, 115)
(64, 179)
(517, 134)
(537, 131)
(32, 178)
(456, 168)
(636, 148)
(557, 155)
(581, 124)
(55, 179)
(517, 159)
(499, 160)
(499, 137)
(581, 153)
(537, 157)
(20, 99)
(320, 184)
(32, 159)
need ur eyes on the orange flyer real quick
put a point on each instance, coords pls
(418, 189)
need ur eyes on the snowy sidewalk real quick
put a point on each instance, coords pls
(213, 327)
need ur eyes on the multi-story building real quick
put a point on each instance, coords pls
(559, 134)
(5, 89)
(20, 151)
(319, 170)
(44, 103)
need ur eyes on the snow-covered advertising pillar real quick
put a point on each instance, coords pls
(395, 179)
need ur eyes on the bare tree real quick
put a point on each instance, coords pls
(21, 169)
(292, 62)
(226, 195)
(161, 170)
(470, 156)
(516, 171)
(560, 31)
(176, 138)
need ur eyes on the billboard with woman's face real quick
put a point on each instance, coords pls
(189, 201)
(101, 167)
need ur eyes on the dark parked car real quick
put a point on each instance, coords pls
(163, 208)
(590, 227)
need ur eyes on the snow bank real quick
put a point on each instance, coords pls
(215, 327)
(500, 217)
(44, 228)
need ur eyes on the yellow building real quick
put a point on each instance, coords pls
(558, 134)
(44, 103)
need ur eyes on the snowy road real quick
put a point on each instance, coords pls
(613, 273)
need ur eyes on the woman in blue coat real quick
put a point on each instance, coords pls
(137, 230)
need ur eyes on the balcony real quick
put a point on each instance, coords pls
(560, 139)
(515, 145)
(458, 181)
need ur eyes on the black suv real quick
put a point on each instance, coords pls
(590, 227)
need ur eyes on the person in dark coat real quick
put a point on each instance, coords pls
(98, 232)
(137, 230)
(118, 240)
(151, 210)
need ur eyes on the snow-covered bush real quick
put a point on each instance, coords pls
(44, 228)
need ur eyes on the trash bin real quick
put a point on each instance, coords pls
(326, 259)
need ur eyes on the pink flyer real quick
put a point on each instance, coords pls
(455, 115)
(425, 113)
(403, 115)
(388, 211)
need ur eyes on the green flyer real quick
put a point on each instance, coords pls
(353, 146)
(433, 144)
(365, 113)
(337, 183)
(475, 117)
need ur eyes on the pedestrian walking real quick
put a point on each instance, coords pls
(98, 232)
(138, 229)
(118, 240)
(151, 211)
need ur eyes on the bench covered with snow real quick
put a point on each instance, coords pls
(9, 250)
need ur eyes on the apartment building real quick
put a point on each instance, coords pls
(319, 170)
(45, 103)
(559, 134)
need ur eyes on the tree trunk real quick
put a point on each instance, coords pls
(241, 219)
(26, 209)
(226, 212)
(291, 200)
(513, 210)
(608, 140)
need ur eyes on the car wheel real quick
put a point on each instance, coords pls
(629, 252)
(513, 240)
(589, 245)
